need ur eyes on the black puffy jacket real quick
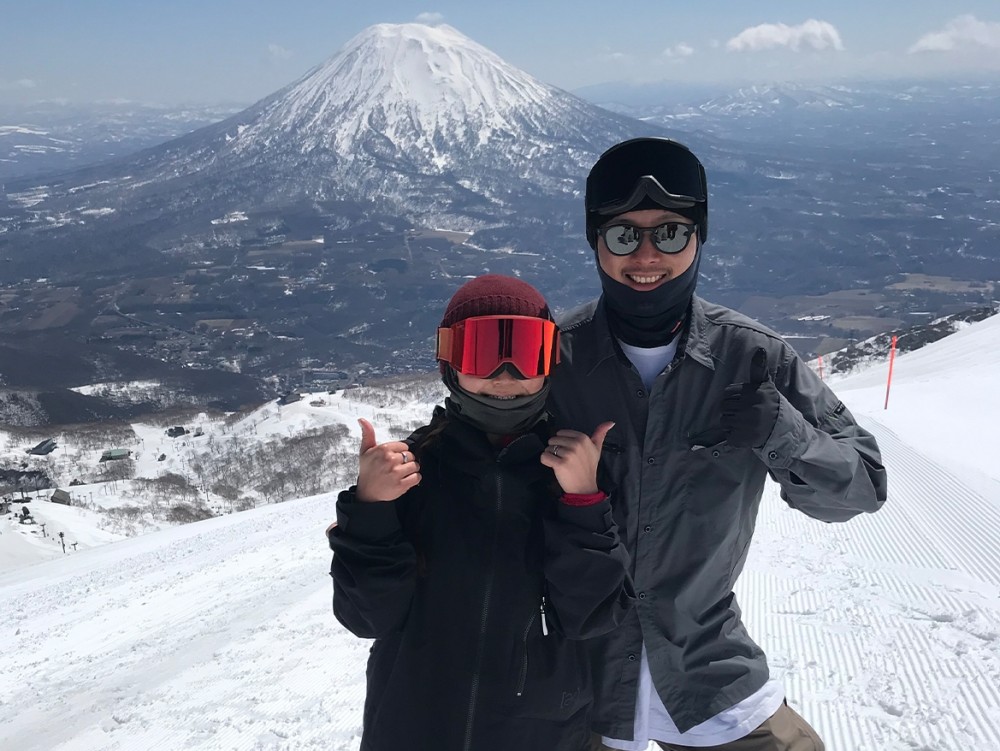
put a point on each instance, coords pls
(454, 582)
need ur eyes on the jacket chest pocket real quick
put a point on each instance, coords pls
(714, 474)
(612, 467)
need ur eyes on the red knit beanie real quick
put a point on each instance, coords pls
(495, 295)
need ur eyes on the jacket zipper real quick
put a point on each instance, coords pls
(524, 643)
(474, 692)
(524, 662)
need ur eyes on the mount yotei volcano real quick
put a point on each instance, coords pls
(411, 120)
(322, 229)
(315, 237)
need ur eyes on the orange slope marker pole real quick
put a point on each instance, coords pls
(888, 383)
(821, 367)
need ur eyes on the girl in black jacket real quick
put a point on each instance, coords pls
(481, 555)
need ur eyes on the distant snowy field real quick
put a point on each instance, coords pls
(219, 635)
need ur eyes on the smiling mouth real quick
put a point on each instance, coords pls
(501, 397)
(645, 278)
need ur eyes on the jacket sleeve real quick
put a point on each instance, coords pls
(827, 465)
(374, 566)
(586, 570)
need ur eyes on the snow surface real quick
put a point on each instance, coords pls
(218, 635)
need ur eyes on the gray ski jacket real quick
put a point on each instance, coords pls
(686, 502)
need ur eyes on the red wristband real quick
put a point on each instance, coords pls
(583, 499)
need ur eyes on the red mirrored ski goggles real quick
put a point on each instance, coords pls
(483, 345)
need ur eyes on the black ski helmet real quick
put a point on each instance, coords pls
(655, 171)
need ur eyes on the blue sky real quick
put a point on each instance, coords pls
(239, 51)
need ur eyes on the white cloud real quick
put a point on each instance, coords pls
(617, 56)
(277, 52)
(679, 50)
(813, 34)
(958, 34)
(21, 83)
(430, 18)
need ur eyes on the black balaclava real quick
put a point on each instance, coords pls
(649, 319)
(647, 173)
(497, 416)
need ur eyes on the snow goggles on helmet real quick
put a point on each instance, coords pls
(670, 237)
(483, 346)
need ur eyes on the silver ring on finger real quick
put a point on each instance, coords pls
(406, 457)
(555, 451)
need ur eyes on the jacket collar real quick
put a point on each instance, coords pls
(605, 346)
(694, 342)
(472, 444)
(694, 339)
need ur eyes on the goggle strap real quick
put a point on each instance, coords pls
(445, 337)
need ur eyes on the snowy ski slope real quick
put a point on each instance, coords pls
(219, 635)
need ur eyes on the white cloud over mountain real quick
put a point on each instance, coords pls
(810, 35)
(430, 18)
(960, 33)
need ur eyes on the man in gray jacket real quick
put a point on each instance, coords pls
(707, 403)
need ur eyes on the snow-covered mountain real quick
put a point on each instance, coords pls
(423, 94)
(776, 98)
(410, 118)
(858, 113)
(306, 229)
(885, 631)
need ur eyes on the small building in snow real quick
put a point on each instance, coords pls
(61, 496)
(45, 447)
(110, 455)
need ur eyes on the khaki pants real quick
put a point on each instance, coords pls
(785, 730)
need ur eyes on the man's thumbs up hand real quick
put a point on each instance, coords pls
(385, 470)
(750, 409)
(758, 367)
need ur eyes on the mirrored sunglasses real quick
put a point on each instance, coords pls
(670, 237)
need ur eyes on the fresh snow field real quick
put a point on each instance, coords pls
(219, 634)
